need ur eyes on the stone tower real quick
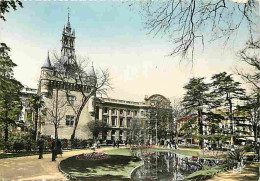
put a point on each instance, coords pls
(68, 43)
(46, 74)
(62, 97)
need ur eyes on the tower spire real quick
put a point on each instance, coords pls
(68, 41)
(68, 14)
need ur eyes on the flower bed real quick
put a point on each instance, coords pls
(92, 156)
(148, 154)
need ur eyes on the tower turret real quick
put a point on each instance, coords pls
(46, 73)
(68, 43)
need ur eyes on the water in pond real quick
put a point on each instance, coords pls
(169, 166)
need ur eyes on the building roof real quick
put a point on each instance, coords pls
(47, 63)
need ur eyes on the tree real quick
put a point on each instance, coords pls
(250, 55)
(88, 82)
(10, 104)
(177, 113)
(190, 22)
(195, 98)
(225, 91)
(250, 111)
(159, 120)
(189, 128)
(56, 110)
(5, 5)
(135, 132)
(215, 132)
(96, 127)
(36, 104)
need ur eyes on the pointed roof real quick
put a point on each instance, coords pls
(92, 71)
(47, 63)
(68, 23)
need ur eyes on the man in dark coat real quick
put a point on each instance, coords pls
(114, 143)
(53, 150)
(59, 147)
(41, 147)
(117, 143)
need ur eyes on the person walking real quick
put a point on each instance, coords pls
(53, 150)
(114, 144)
(117, 143)
(59, 148)
(41, 147)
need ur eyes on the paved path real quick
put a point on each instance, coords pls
(31, 168)
(249, 173)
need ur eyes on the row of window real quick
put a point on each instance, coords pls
(121, 121)
(70, 121)
(121, 111)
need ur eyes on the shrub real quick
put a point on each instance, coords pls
(234, 157)
(2, 143)
(83, 143)
(30, 144)
(18, 146)
(8, 146)
(65, 143)
(75, 143)
(248, 147)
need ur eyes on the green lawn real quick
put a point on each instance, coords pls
(206, 173)
(117, 167)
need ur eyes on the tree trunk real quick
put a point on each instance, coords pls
(6, 124)
(231, 119)
(36, 124)
(6, 131)
(56, 132)
(77, 120)
(200, 128)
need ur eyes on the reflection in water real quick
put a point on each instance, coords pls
(169, 166)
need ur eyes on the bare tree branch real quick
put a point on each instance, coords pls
(83, 78)
(187, 21)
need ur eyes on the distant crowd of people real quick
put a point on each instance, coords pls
(56, 145)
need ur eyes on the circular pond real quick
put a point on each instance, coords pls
(169, 166)
(112, 168)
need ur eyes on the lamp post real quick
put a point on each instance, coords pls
(257, 127)
(156, 130)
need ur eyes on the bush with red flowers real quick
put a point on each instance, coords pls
(92, 156)
(148, 154)
(49, 144)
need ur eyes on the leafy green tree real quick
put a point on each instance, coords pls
(159, 122)
(35, 104)
(135, 133)
(10, 105)
(214, 130)
(226, 90)
(250, 111)
(195, 98)
(190, 128)
(250, 55)
(6, 5)
(97, 126)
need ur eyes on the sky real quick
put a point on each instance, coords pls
(113, 36)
